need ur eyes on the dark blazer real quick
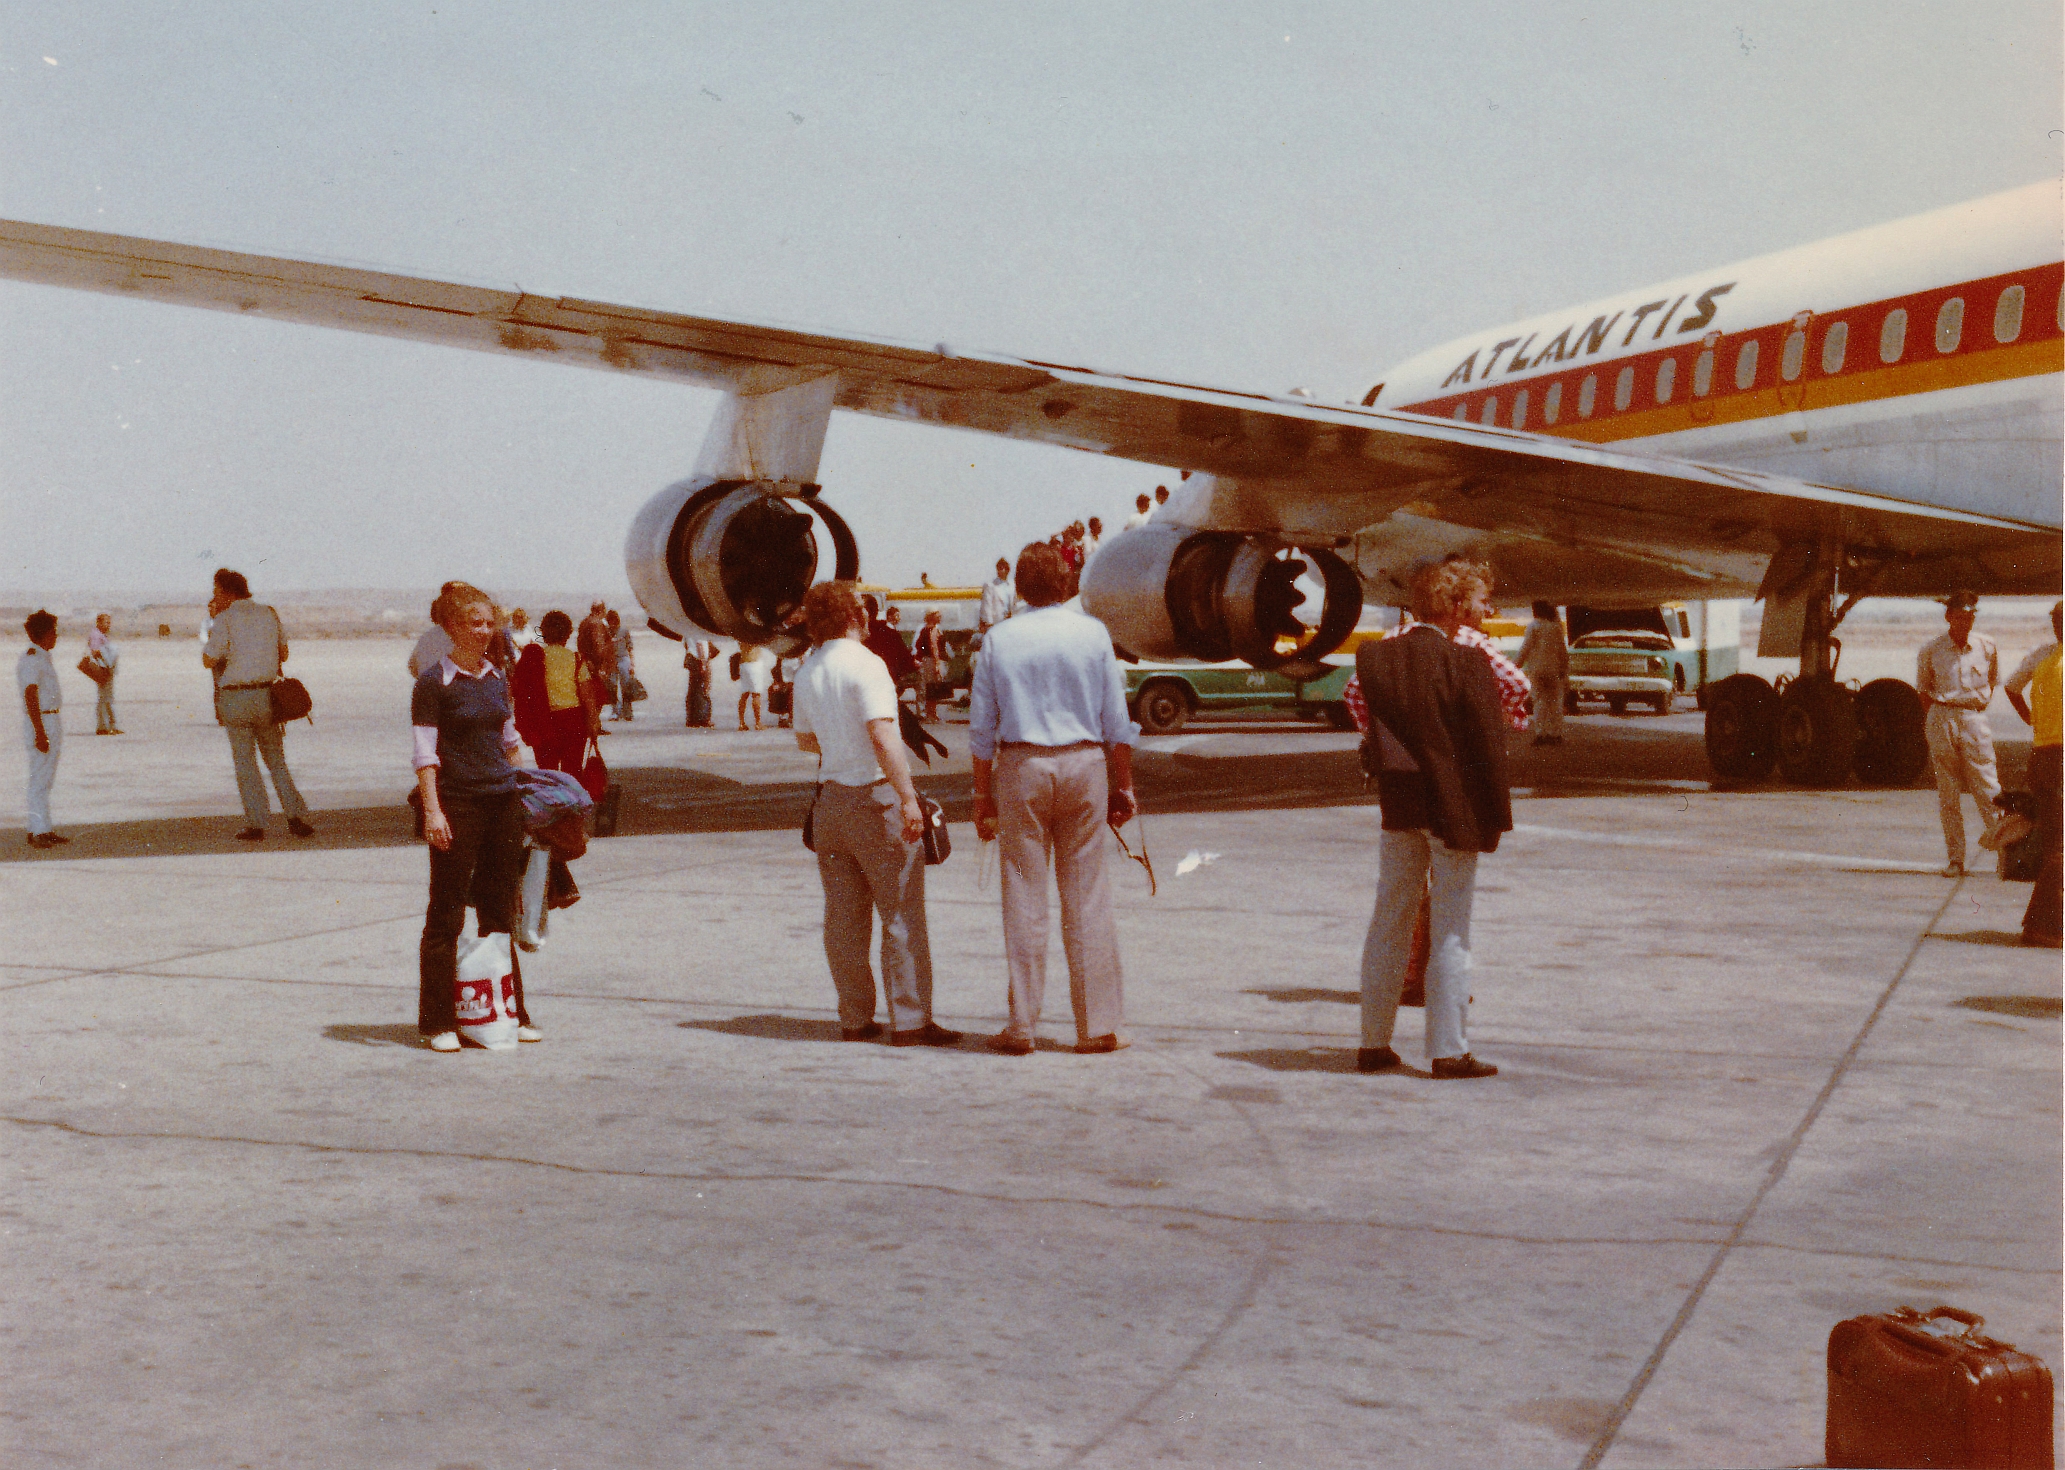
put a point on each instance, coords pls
(1441, 739)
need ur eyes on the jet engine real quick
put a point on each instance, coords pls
(733, 558)
(1172, 592)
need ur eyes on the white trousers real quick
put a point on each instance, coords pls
(42, 767)
(1408, 865)
(1961, 751)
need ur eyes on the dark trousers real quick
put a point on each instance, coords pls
(563, 742)
(2041, 920)
(482, 868)
(698, 693)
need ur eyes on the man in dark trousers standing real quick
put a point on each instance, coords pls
(1439, 743)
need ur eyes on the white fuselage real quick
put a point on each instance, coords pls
(1921, 359)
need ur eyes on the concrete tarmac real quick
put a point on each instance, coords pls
(1762, 1069)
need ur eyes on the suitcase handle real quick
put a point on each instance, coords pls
(1972, 1320)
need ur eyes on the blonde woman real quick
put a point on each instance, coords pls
(465, 742)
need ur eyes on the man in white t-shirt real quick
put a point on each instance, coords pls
(997, 599)
(866, 825)
(1143, 512)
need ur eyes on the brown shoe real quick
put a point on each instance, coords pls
(1098, 1045)
(1008, 1045)
(1462, 1066)
(925, 1035)
(861, 1033)
(1377, 1059)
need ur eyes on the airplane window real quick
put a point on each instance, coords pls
(2007, 315)
(1833, 346)
(1624, 388)
(1520, 409)
(1795, 354)
(1950, 324)
(1703, 374)
(1588, 393)
(1491, 409)
(1666, 379)
(1893, 335)
(1746, 365)
(1552, 403)
(1462, 412)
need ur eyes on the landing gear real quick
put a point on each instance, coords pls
(1817, 731)
(1742, 728)
(1892, 749)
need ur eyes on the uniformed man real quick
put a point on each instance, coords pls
(1955, 677)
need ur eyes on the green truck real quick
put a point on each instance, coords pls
(1164, 695)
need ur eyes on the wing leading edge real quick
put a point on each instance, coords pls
(1286, 465)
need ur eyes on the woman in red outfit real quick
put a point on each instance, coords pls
(547, 693)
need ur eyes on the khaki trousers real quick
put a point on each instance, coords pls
(867, 868)
(1051, 803)
(1961, 750)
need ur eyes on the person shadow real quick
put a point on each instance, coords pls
(399, 1034)
(769, 1028)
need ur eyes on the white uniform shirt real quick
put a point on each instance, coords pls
(38, 668)
(432, 646)
(1138, 518)
(839, 689)
(1962, 679)
(247, 634)
(996, 602)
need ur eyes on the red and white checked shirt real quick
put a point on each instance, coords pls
(1514, 690)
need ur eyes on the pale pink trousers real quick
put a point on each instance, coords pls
(1050, 806)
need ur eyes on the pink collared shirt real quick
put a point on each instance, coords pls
(426, 735)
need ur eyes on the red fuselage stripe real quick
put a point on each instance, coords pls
(1666, 401)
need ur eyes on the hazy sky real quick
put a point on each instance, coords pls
(1239, 195)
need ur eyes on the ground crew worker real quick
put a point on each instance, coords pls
(1955, 676)
(1545, 659)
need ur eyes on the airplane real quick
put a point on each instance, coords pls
(1652, 446)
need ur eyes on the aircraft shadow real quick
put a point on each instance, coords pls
(1597, 760)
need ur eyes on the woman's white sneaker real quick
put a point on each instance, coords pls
(445, 1041)
(529, 1033)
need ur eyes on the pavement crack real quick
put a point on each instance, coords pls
(695, 1176)
(1610, 1430)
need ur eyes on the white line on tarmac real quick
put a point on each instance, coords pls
(1762, 854)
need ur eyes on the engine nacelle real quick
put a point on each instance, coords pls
(732, 557)
(1171, 592)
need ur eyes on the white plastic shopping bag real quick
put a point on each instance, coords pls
(486, 998)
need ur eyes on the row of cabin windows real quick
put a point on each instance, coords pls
(1835, 345)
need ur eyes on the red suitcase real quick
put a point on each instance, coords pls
(1910, 1388)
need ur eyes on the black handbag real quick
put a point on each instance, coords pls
(939, 845)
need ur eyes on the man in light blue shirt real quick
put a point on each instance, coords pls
(1053, 754)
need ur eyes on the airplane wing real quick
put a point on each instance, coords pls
(1303, 467)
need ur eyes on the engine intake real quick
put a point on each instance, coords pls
(1169, 593)
(733, 557)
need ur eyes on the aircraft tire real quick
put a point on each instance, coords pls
(1616, 704)
(1817, 732)
(1741, 728)
(1892, 749)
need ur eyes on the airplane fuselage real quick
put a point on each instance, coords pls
(1920, 359)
